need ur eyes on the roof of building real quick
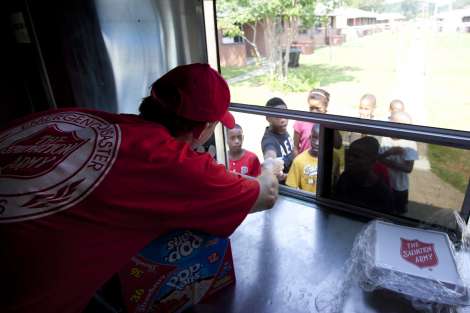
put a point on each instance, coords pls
(390, 16)
(352, 13)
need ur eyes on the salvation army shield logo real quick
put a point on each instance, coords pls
(419, 253)
(39, 153)
(50, 163)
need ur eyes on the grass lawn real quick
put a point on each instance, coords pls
(448, 80)
(229, 72)
(366, 65)
(451, 165)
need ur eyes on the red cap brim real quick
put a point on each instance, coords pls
(228, 120)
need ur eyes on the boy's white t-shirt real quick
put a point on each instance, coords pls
(399, 180)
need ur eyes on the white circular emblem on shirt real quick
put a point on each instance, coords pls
(50, 163)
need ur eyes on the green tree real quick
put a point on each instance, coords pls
(368, 5)
(234, 15)
(410, 8)
(460, 4)
(280, 20)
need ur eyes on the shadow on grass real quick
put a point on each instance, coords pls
(306, 77)
(324, 74)
(452, 165)
(230, 72)
(431, 214)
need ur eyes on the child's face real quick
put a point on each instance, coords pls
(317, 106)
(235, 139)
(396, 107)
(278, 124)
(366, 109)
(314, 139)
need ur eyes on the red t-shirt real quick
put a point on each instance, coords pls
(248, 164)
(82, 191)
(382, 171)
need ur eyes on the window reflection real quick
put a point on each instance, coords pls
(402, 177)
(365, 181)
(393, 175)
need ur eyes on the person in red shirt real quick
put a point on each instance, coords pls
(82, 191)
(241, 160)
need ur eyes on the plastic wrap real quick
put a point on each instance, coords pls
(427, 290)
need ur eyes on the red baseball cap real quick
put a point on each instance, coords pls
(196, 92)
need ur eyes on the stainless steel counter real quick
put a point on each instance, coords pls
(284, 256)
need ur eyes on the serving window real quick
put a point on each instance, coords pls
(389, 81)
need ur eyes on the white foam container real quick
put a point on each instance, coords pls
(417, 257)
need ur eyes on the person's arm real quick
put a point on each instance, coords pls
(405, 166)
(275, 164)
(268, 191)
(268, 146)
(270, 154)
(391, 151)
(255, 167)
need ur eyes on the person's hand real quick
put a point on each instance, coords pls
(268, 191)
(276, 166)
(395, 151)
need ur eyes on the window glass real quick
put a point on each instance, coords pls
(402, 177)
(416, 180)
(365, 57)
(294, 142)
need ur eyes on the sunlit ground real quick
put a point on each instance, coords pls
(426, 69)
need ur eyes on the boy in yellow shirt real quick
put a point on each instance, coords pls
(303, 172)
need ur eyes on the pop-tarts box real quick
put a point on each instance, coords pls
(175, 271)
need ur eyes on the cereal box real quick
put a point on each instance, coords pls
(176, 271)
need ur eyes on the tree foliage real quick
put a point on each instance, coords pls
(460, 4)
(367, 5)
(410, 8)
(280, 20)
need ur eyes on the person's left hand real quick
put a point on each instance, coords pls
(392, 151)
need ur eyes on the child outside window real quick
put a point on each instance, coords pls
(303, 172)
(318, 100)
(276, 142)
(398, 155)
(241, 160)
